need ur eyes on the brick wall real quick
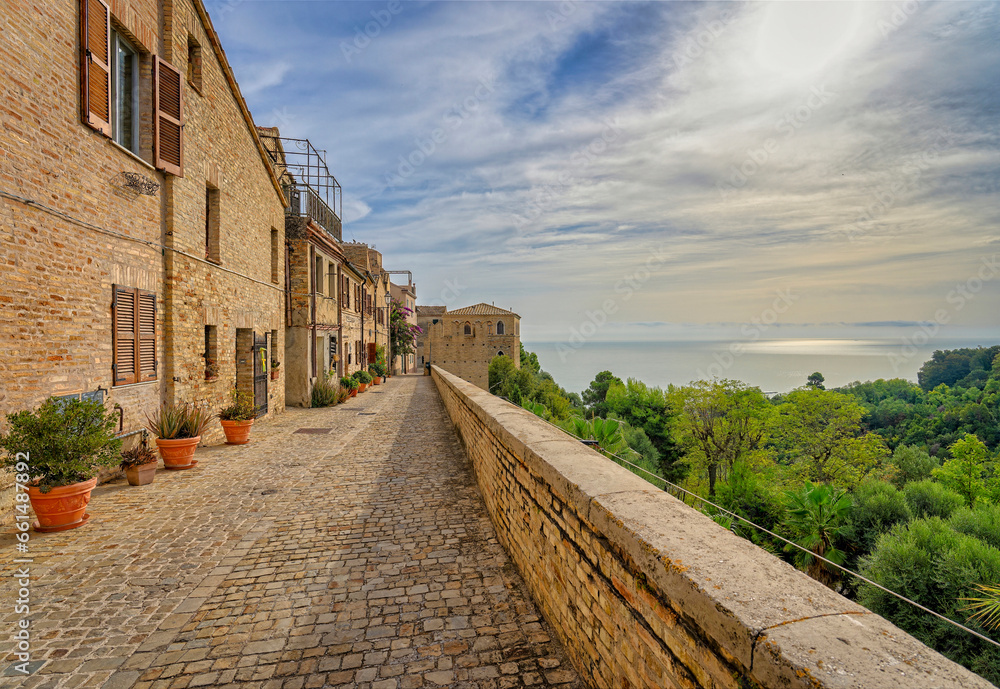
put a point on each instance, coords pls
(645, 591)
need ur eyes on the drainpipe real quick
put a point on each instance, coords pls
(312, 307)
(340, 318)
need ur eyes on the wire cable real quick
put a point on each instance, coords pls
(611, 455)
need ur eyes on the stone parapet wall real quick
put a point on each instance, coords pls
(645, 591)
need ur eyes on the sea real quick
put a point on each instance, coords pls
(775, 366)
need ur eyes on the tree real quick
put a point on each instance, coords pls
(878, 506)
(722, 422)
(402, 335)
(964, 473)
(911, 464)
(928, 498)
(595, 396)
(815, 381)
(931, 563)
(822, 432)
(817, 516)
(647, 408)
(529, 361)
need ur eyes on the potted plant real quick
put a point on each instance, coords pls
(57, 450)
(275, 365)
(377, 372)
(139, 463)
(350, 384)
(177, 429)
(363, 379)
(211, 370)
(238, 417)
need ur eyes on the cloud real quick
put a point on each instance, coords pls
(848, 151)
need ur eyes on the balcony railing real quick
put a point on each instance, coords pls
(306, 203)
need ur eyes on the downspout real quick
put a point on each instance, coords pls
(340, 319)
(288, 286)
(312, 307)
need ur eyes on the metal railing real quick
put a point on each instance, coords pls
(305, 202)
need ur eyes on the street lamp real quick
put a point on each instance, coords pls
(388, 330)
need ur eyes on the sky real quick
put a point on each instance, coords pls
(655, 170)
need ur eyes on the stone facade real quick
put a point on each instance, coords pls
(373, 321)
(425, 319)
(645, 591)
(465, 341)
(83, 210)
(406, 296)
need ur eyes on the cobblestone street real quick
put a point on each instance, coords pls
(343, 547)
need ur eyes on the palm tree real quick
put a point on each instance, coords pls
(987, 607)
(816, 516)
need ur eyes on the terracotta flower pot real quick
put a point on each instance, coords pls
(178, 453)
(62, 508)
(377, 380)
(237, 432)
(354, 393)
(362, 387)
(141, 475)
(274, 375)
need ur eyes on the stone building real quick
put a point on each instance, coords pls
(464, 341)
(425, 319)
(140, 224)
(374, 323)
(406, 296)
(315, 264)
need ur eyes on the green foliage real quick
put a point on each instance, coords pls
(985, 607)
(349, 383)
(878, 506)
(178, 421)
(529, 361)
(965, 473)
(325, 392)
(66, 442)
(815, 381)
(722, 422)
(931, 563)
(821, 432)
(928, 498)
(910, 464)
(647, 408)
(362, 377)
(958, 367)
(752, 494)
(402, 334)
(981, 521)
(816, 516)
(595, 396)
(242, 408)
(377, 369)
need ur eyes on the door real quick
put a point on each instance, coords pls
(260, 362)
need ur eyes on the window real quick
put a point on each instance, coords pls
(332, 282)
(468, 329)
(194, 64)
(500, 329)
(133, 328)
(211, 352)
(318, 275)
(124, 93)
(274, 255)
(212, 203)
(500, 353)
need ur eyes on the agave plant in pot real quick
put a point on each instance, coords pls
(237, 418)
(177, 429)
(57, 451)
(139, 463)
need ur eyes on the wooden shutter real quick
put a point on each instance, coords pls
(372, 354)
(168, 132)
(124, 331)
(95, 65)
(146, 345)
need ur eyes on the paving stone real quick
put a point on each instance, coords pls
(373, 564)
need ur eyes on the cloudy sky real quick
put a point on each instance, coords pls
(668, 167)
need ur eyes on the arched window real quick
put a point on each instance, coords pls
(468, 328)
(500, 328)
(500, 353)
